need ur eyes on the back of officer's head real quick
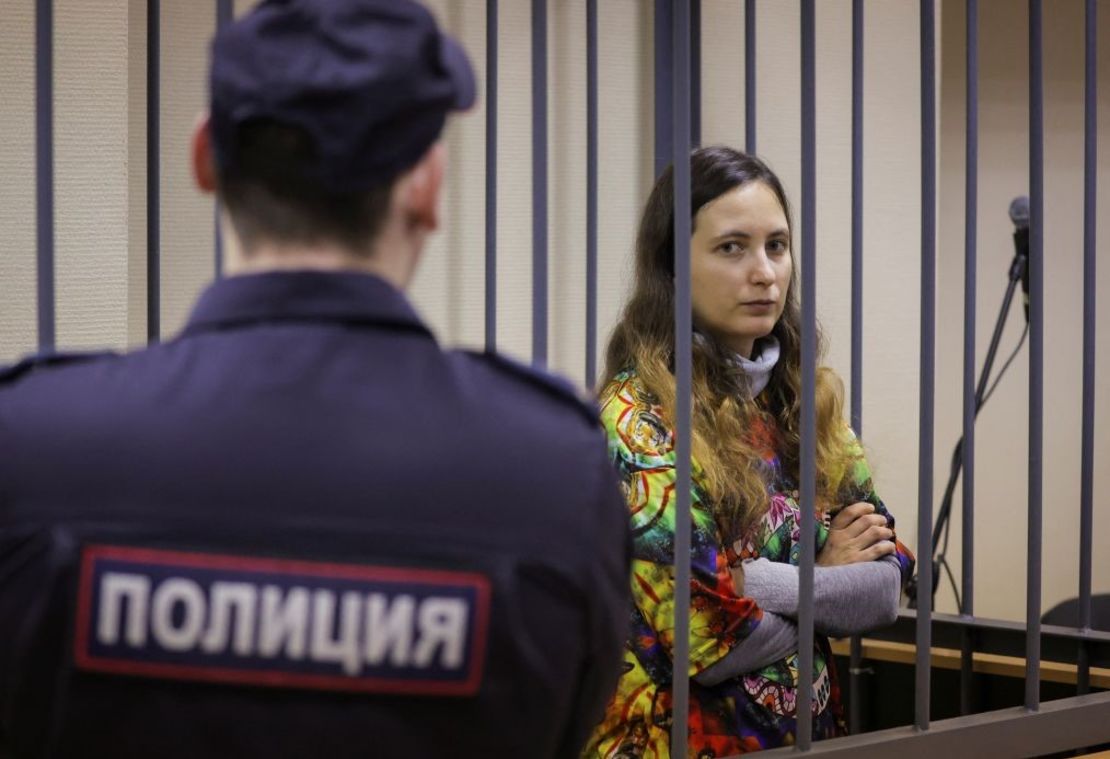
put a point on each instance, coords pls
(318, 107)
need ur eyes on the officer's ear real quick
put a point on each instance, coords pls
(204, 163)
(420, 188)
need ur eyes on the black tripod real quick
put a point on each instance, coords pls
(1019, 273)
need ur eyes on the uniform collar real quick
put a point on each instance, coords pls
(346, 297)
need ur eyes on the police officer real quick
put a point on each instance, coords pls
(301, 528)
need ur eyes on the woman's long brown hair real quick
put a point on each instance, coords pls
(724, 412)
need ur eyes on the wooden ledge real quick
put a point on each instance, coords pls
(988, 664)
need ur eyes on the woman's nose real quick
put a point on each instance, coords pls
(761, 272)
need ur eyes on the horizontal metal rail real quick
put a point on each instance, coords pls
(997, 636)
(999, 665)
(1015, 732)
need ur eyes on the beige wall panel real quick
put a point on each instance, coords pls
(18, 332)
(778, 73)
(1002, 429)
(626, 140)
(834, 184)
(514, 180)
(186, 214)
(136, 172)
(567, 188)
(449, 290)
(722, 70)
(242, 6)
(892, 254)
(91, 111)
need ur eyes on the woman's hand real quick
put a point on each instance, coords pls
(856, 534)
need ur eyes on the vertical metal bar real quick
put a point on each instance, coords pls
(1086, 497)
(695, 73)
(1083, 668)
(44, 171)
(539, 182)
(224, 15)
(683, 330)
(857, 216)
(1036, 359)
(664, 87)
(855, 671)
(967, 670)
(591, 192)
(153, 171)
(749, 76)
(927, 378)
(971, 225)
(809, 378)
(491, 174)
(855, 706)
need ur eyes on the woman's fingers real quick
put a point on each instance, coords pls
(874, 534)
(879, 550)
(863, 524)
(849, 514)
(856, 534)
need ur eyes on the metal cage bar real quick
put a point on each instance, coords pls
(970, 403)
(591, 192)
(491, 175)
(153, 171)
(224, 15)
(857, 217)
(1036, 357)
(749, 77)
(539, 182)
(808, 453)
(683, 328)
(927, 373)
(1090, 218)
(44, 173)
(664, 89)
(695, 73)
(856, 655)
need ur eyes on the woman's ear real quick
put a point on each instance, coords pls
(204, 162)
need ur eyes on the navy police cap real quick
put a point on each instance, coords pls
(370, 81)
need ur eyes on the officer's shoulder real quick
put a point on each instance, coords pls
(550, 385)
(29, 365)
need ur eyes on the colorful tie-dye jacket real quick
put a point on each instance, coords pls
(746, 713)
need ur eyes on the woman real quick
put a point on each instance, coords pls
(746, 517)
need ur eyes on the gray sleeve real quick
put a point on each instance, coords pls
(848, 599)
(774, 638)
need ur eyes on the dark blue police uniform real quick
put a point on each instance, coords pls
(301, 528)
(305, 435)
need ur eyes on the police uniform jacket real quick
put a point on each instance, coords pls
(301, 528)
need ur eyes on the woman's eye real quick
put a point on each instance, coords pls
(730, 248)
(777, 246)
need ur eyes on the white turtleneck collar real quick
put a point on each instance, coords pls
(758, 369)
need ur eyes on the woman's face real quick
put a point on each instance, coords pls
(740, 265)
